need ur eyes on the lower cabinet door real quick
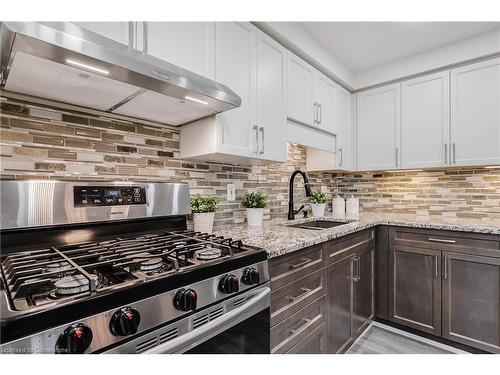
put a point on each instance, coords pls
(363, 302)
(339, 311)
(314, 343)
(471, 300)
(415, 288)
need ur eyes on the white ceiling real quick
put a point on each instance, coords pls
(363, 45)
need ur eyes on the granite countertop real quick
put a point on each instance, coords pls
(278, 238)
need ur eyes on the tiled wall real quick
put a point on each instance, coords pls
(462, 193)
(42, 142)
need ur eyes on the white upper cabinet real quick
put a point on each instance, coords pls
(425, 120)
(122, 32)
(311, 95)
(344, 129)
(189, 45)
(254, 67)
(301, 78)
(271, 98)
(378, 128)
(235, 66)
(475, 113)
(325, 103)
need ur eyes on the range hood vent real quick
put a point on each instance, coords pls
(65, 63)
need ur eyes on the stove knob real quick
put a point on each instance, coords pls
(250, 276)
(185, 300)
(74, 340)
(229, 284)
(125, 322)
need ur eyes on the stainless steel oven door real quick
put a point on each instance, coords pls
(240, 324)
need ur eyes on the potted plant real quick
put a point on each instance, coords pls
(254, 202)
(318, 203)
(203, 209)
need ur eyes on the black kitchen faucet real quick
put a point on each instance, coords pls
(291, 211)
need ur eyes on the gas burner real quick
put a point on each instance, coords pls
(74, 284)
(208, 254)
(58, 267)
(152, 264)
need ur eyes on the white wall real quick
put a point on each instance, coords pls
(300, 42)
(464, 50)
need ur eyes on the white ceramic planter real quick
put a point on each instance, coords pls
(318, 209)
(204, 222)
(254, 216)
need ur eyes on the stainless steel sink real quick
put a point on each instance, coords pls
(318, 224)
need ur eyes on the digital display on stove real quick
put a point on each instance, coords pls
(90, 196)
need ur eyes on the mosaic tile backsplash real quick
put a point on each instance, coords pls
(47, 142)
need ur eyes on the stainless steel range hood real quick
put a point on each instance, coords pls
(63, 62)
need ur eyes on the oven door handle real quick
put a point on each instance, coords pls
(256, 303)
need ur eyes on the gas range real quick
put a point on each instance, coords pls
(75, 279)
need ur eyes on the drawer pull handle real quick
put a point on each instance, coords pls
(441, 240)
(306, 323)
(304, 292)
(303, 263)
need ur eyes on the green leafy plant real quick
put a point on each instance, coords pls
(199, 204)
(317, 197)
(254, 200)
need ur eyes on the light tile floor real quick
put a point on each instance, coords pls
(382, 339)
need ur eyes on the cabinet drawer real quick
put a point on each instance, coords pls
(346, 246)
(297, 327)
(481, 244)
(314, 343)
(295, 296)
(291, 267)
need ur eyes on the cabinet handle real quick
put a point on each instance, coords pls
(145, 37)
(131, 34)
(302, 263)
(445, 260)
(256, 128)
(446, 153)
(397, 154)
(304, 292)
(454, 153)
(356, 260)
(263, 143)
(319, 114)
(440, 240)
(315, 113)
(306, 323)
(436, 260)
(341, 157)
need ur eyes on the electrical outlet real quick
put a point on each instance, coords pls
(231, 193)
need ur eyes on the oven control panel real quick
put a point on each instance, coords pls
(90, 196)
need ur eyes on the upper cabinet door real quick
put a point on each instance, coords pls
(301, 77)
(378, 125)
(425, 121)
(235, 66)
(324, 92)
(475, 113)
(189, 45)
(271, 98)
(344, 128)
(118, 31)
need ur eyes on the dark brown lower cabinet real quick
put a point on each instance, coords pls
(339, 310)
(350, 298)
(415, 288)
(314, 343)
(471, 300)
